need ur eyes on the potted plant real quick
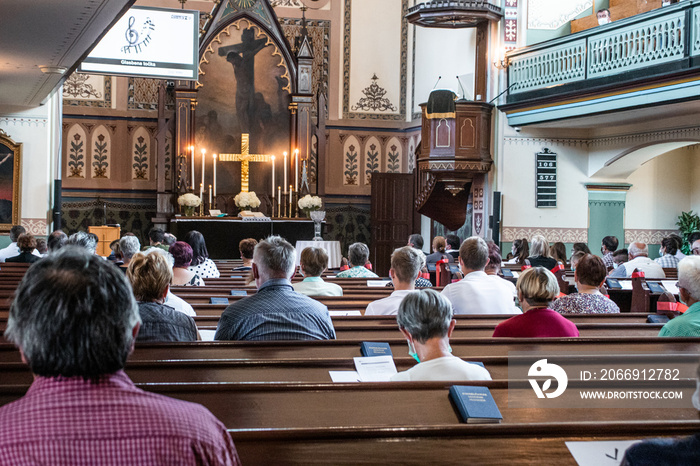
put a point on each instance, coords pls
(187, 203)
(687, 223)
(247, 201)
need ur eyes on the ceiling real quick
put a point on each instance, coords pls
(47, 33)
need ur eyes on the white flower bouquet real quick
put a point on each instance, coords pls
(310, 203)
(247, 200)
(189, 200)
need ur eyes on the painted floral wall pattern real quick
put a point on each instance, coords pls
(351, 169)
(372, 164)
(140, 164)
(374, 99)
(312, 159)
(393, 162)
(75, 157)
(99, 158)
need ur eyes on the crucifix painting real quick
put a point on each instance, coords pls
(244, 88)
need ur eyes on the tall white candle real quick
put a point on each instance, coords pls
(296, 170)
(210, 196)
(214, 176)
(192, 149)
(201, 191)
(279, 201)
(273, 176)
(204, 151)
(284, 154)
(291, 196)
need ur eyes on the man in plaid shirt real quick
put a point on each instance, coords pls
(75, 320)
(668, 250)
(609, 246)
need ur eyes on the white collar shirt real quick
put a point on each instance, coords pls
(478, 294)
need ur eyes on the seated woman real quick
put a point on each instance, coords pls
(246, 247)
(425, 319)
(589, 273)
(201, 264)
(540, 254)
(537, 287)
(558, 252)
(26, 245)
(182, 276)
(439, 248)
(150, 276)
(520, 251)
(312, 263)
(358, 256)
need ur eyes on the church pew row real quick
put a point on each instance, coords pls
(464, 330)
(465, 348)
(317, 371)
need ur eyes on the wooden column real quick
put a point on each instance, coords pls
(481, 60)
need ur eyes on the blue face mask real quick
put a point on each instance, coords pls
(412, 351)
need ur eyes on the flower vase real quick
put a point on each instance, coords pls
(317, 216)
(188, 210)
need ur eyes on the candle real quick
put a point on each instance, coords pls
(192, 149)
(296, 170)
(279, 201)
(273, 177)
(291, 196)
(210, 196)
(201, 191)
(284, 154)
(214, 176)
(204, 151)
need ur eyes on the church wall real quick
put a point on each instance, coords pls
(31, 128)
(695, 176)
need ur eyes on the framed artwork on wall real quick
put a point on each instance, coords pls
(10, 163)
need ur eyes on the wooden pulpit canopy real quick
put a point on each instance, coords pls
(452, 151)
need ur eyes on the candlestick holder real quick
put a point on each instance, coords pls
(201, 209)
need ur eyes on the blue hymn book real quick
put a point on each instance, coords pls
(370, 348)
(218, 300)
(475, 405)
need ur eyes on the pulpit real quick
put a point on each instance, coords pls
(105, 236)
(455, 148)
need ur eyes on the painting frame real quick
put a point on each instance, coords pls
(11, 183)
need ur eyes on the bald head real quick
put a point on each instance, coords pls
(637, 249)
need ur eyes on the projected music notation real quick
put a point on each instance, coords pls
(137, 40)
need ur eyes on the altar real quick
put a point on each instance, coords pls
(223, 234)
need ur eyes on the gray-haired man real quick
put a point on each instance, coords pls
(276, 311)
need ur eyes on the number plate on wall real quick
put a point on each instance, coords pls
(546, 176)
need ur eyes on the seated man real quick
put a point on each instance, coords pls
(620, 257)
(83, 240)
(56, 240)
(607, 248)
(276, 311)
(667, 253)
(476, 293)
(156, 238)
(687, 324)
(453, 243)
(246, 248)
(312, 263)
(358, 254)
(416, 241)
(639, 259)
(82, 408)
(405, 267)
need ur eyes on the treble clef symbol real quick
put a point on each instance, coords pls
(131, 35)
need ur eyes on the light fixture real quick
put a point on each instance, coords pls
(53, 69)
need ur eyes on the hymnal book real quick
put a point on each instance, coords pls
(218, 300)
(613, 284)
(370, 348)
(656, 287)
(475, 405)
(656, 319)
(507, 273)
(239, 293)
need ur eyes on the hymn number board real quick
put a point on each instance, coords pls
(546, 176)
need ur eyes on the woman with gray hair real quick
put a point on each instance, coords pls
(537, 288)
(539, 253)
(358, 255)
(425, 319)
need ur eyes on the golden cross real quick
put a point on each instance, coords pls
(244, 157)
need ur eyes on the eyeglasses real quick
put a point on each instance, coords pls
(678, 285)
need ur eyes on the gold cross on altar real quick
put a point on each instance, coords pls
(244, 157)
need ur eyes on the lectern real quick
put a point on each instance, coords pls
(106, 235)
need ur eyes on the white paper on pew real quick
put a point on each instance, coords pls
(207, 335)
(626, 284)
(603, 453)
(377, 282)
(670, 285)
(344, 376)
(516, 274)
(345, 313)
(375, 368)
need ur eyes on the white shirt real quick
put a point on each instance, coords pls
(446, 368)
(206, 269)
(388, 306)
(650, 268)
(179, 304)
(315, 286)
(508, 283)
(12, 250)
(478, 294)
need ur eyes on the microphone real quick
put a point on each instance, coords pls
(462, 87)
(436, 82)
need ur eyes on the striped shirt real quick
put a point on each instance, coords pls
(667, 261)
(686, 325)
(276, 312)
(71, 421)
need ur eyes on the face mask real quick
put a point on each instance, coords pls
(602, 250)
(661, 252)
(603, 20)
(412, 351)
(512, 250)
(696, 396)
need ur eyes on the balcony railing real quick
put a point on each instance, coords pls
(661, 42)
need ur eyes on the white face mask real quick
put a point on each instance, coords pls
(603, 20)
(696, 396)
